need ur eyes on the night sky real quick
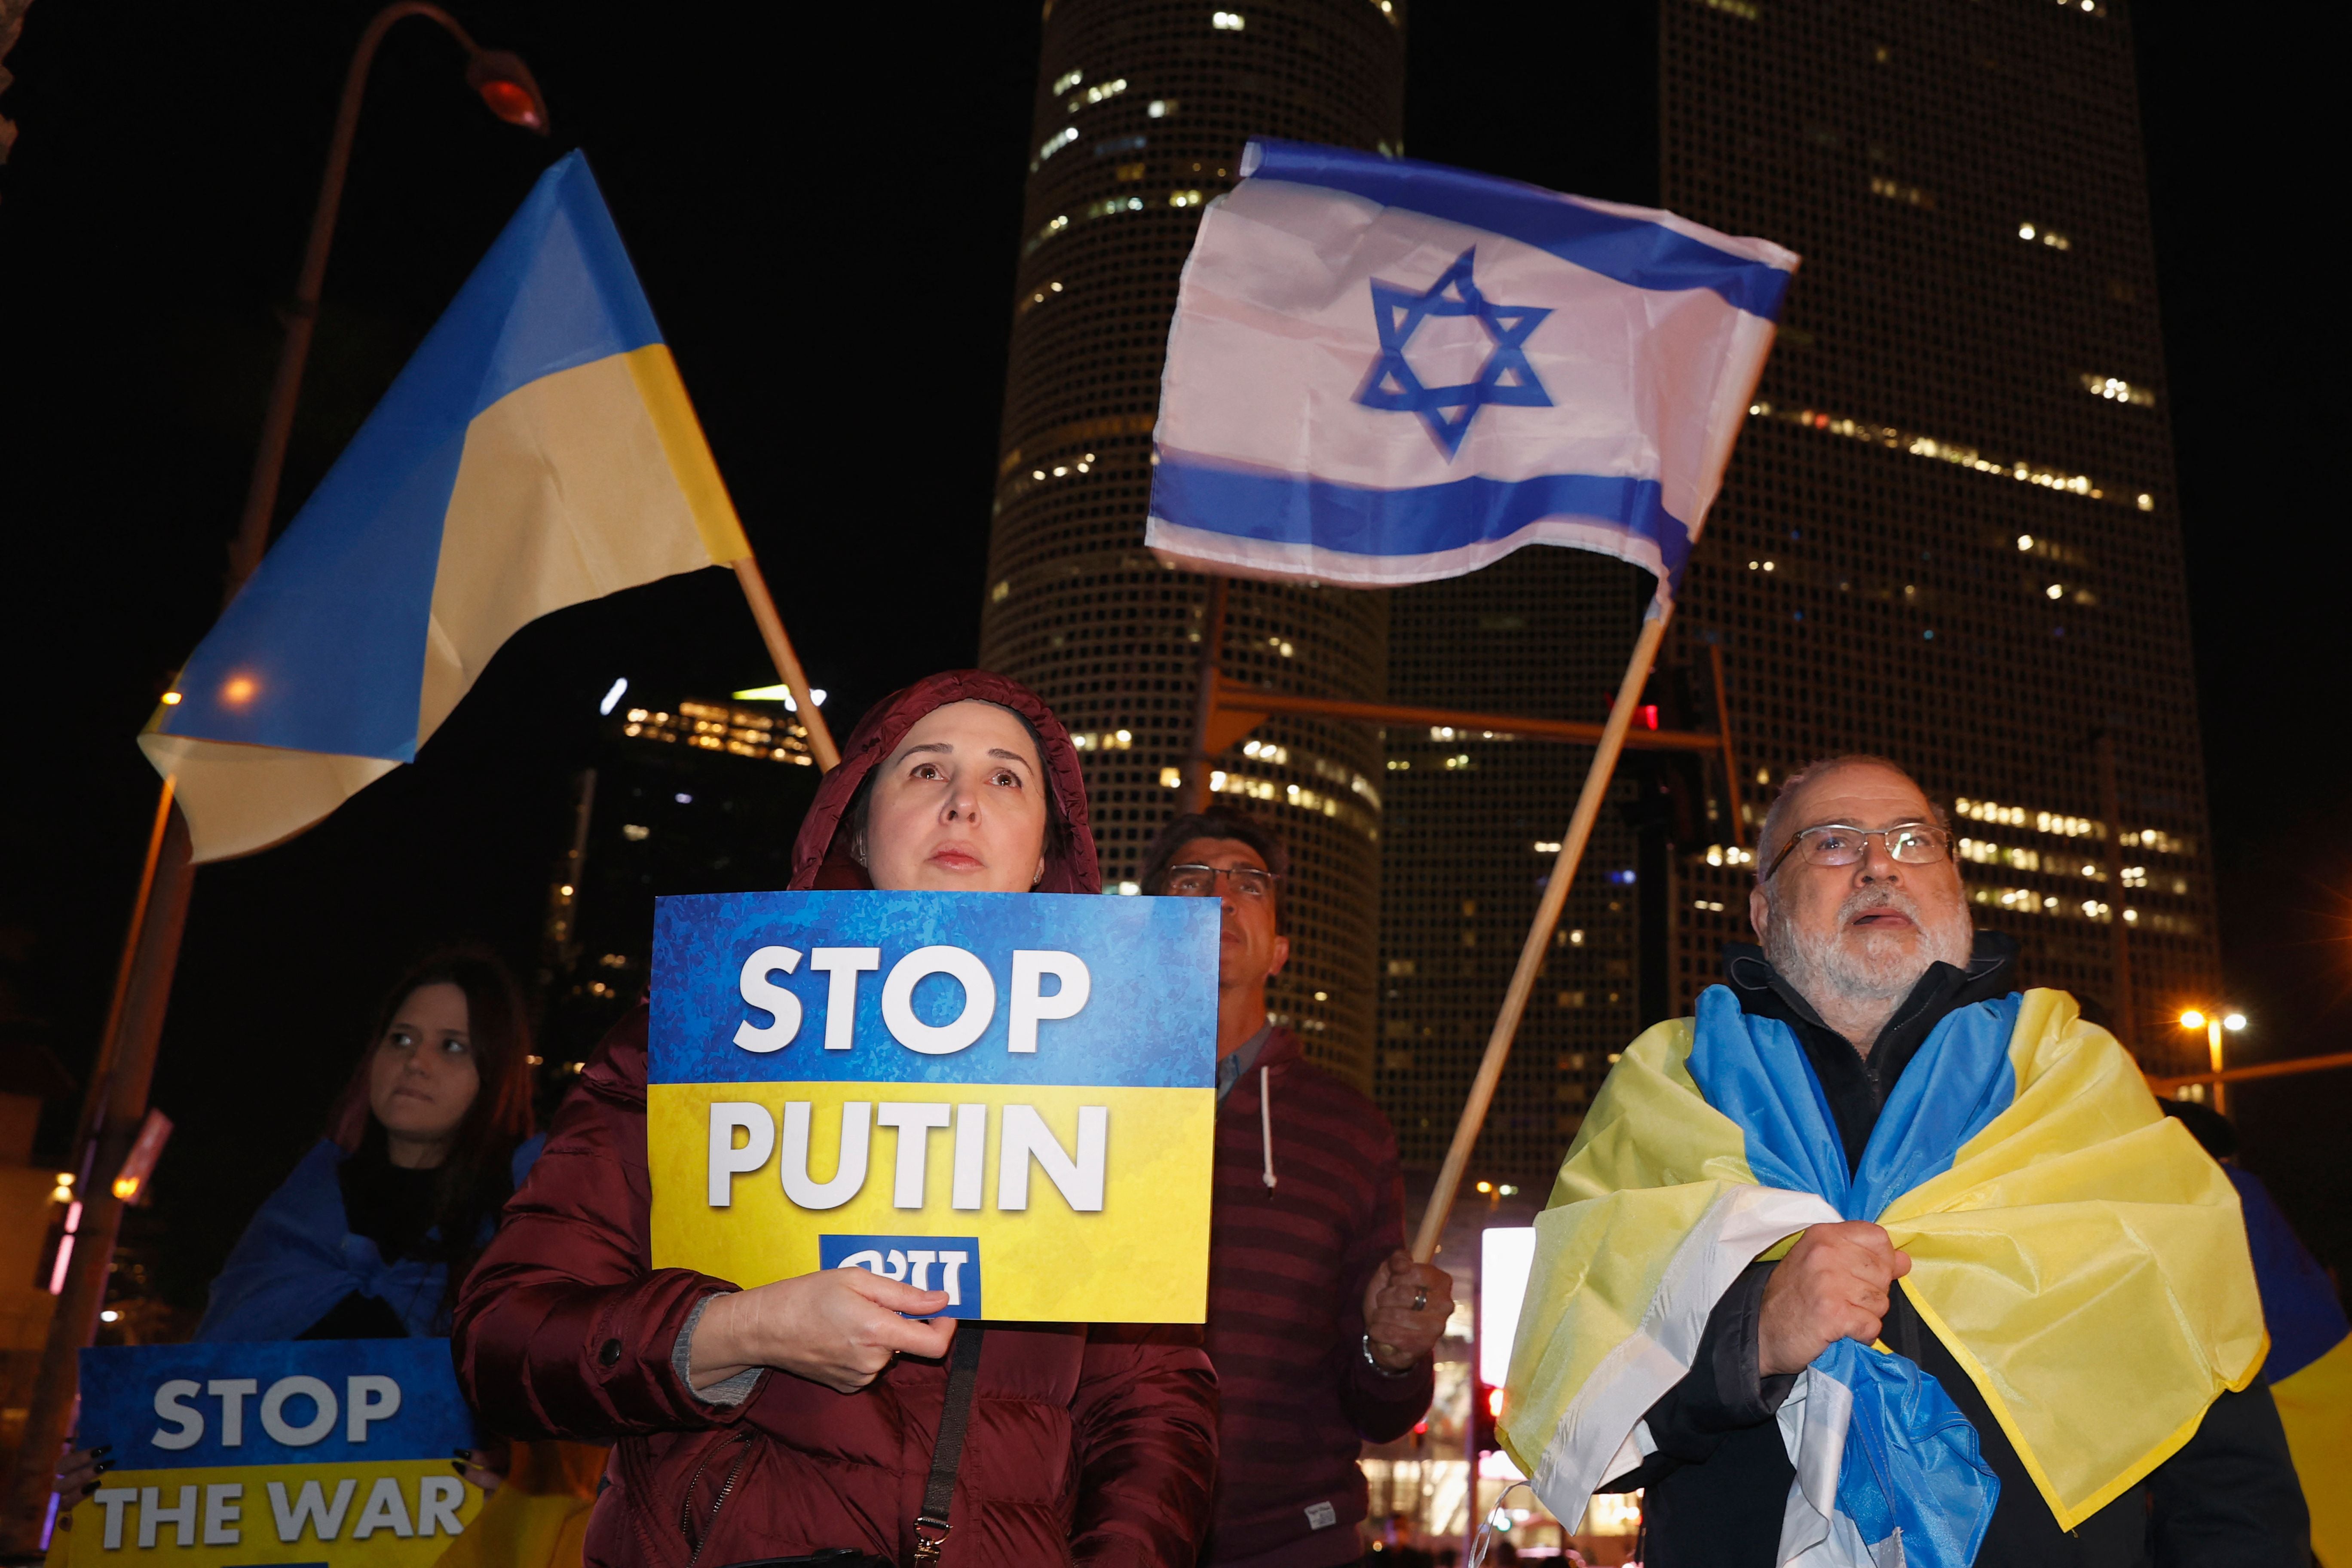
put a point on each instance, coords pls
(824, 203)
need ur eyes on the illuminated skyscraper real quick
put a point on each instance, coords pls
(1951, 532)
(1474, 821)
(1142, 110)
(1948, 535)
(706, 797)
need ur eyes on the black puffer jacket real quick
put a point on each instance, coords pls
(1719, 1482)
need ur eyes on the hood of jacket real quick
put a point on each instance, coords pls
(820, 856)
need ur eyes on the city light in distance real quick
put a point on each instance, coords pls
(109, 1316)
(1228, 21)
(2025, 542)
(2234, 1021)
(171, 699)
(2056, 590)
(782, 694)
(613, 694)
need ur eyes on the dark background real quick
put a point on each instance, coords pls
(824, 203)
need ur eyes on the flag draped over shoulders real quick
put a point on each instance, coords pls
(2080, 1256)
(2310, 1365)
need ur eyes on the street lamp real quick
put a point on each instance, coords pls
(113, 1100)
(2213, 1024)
(506, 87)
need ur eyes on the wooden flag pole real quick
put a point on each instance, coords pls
(1548, 908)
(1204, 697)
(788, 663)
(118, 1105)
(1731, 800)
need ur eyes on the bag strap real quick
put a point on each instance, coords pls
(947, 1453)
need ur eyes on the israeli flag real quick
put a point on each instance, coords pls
(1385, 372)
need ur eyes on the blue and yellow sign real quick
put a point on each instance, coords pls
(1007, 1096)
(313, 1452)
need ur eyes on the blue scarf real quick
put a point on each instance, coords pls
(299, 1258)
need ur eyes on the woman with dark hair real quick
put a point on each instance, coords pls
(370, 1235)
(801, 1416)
(373, 1232)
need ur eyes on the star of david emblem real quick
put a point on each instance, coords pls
(1505, 379)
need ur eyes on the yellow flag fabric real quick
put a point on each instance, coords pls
(2315, 1405)
(2082, 1258)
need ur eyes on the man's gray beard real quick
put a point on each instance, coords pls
(1866, 965)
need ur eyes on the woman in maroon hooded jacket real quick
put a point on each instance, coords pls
(801, 1415)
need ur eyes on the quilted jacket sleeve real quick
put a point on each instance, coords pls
(564, 1329)
(1145, 1417)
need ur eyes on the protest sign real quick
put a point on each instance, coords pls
(807, 1048)
(309, 1452)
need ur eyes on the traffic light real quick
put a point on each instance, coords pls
(1485, 1410)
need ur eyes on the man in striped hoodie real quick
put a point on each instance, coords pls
(1320, 1323)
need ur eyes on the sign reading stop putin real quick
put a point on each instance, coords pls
(1010, 1098)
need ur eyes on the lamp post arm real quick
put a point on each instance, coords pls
(294, 353)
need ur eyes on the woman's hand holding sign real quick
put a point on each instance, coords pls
(1405, 1309)
(838, 1327)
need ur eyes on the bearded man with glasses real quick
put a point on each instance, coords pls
(2077, 1348)
(1320, 1324)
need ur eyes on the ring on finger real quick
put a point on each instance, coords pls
(1421, 1297)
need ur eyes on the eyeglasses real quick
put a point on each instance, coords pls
(1201, 882)
(1840, 844)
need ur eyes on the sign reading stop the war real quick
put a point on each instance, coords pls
(307, 1452)
(1010, 1098)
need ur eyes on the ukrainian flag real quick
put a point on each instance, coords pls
(537, 451)
(2310, 1368)
(2076, 1251)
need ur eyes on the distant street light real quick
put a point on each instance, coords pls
(2213, 1024)
(507, 89)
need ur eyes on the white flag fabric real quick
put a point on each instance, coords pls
(1384, 371)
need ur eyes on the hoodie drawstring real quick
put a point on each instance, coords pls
(1266, 1125)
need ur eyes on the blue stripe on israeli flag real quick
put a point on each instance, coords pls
(1646, 248)
(1385, 372)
